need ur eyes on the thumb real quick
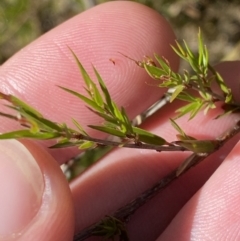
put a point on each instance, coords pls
(35, 201)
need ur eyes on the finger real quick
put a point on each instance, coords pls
(35, 202)
(230, 72)
(213, 212)
(133, 171)
(95, 36)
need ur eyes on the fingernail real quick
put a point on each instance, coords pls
(21, 188)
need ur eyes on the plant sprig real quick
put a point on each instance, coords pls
(201, 81)
(194, 89)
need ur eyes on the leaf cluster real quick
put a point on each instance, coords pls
(116, 121)
(99, 101)
(195, 89)
(111, 227)
(202, 95)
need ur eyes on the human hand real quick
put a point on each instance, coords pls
(36, 203)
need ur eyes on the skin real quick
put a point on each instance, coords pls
(201, 205)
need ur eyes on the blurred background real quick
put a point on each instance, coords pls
(22, 21)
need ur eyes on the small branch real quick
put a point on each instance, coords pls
(130, 145)
(125, 212)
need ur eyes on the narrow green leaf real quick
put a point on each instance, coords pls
(185, 96)
(177, 127)
(85, 99)
(108, 130)
(205, 95)
(200, 49)
(106, 117)
(148, 137)
(176, 92)
(198, 146)
(127, 121)
(229, 97)
(105, 92)
(34, 127)
(189, 52)
(66, 144)
(187, 109)
(19, 103)
(162, 63)
(194, 64)
(154, 72)
(205, 59)
(43, 121)
(92, 88)
(67, 132)
(84, 73)
(86, 145)
(182, 136)
(24, 119)
(98, 98)
(180, 52)
(80, 128)
(198, 106)
(29, 134)
(220, 81)
(117, 112)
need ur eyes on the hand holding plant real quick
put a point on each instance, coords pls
(96, 36)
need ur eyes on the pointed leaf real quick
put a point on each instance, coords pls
(148, 137)
(180, 52)
(224, 88)
(186, 164)
(189, 52)
(198, 146)
(19, 103)
(200, 49)
(117, 112)
(85, 99)
(86, 145)
(43, 121)
(106, 117)
(182, 136)
(84, 73)
(80, 128)
(176, 92)
(205, 59)
(186, 109)
(66, 144)
(154, 72)
(192, 108)
(177, 127)
(196, 109)
(186, 97)
(92, 88)
(229, 98)
(164, 65)
(127, 121)
(29, 134)
(105, 91)
(108, 130)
